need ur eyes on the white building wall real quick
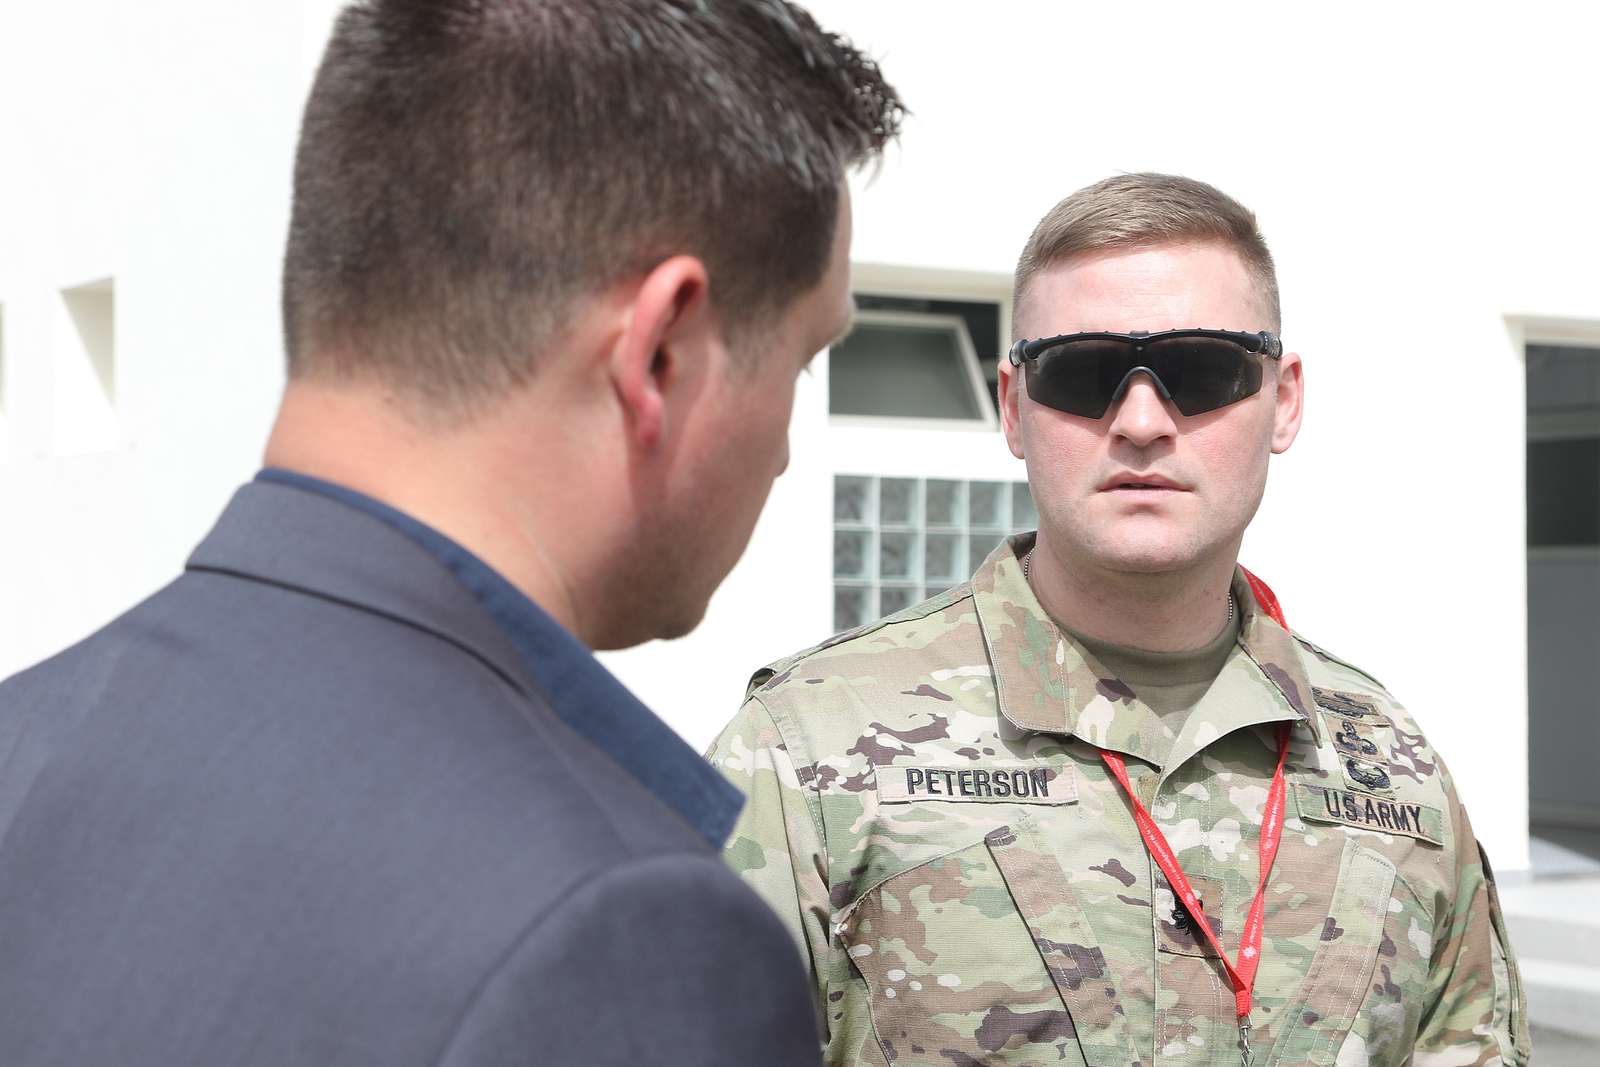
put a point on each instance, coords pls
(1428, 183)
(145, 146)
(1426, 179)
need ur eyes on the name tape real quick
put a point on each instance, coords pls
(1318, 804)
(982, 785)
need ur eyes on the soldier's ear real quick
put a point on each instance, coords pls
(1288, 402)
(1010, 388)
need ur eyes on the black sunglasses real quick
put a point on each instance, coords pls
(1198, 370)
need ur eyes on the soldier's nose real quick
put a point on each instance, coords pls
(1141, 417)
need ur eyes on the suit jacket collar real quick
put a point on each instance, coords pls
(272, 532)
(332, 542)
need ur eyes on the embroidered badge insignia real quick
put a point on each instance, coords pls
(1369, 775)
(1349, 738)
(1177, 931)
(1344, 704)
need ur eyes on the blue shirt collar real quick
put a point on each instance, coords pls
(582, 693)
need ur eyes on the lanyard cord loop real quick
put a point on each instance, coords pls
(1241, 976)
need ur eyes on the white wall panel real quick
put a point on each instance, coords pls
(1421, 175)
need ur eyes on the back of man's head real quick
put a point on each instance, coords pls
(469, 170)
(1136, 210)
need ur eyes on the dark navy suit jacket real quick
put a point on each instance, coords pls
(333, 797)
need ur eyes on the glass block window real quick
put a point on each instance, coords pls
(899, 540)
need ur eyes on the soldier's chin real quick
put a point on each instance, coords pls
(1134, 557)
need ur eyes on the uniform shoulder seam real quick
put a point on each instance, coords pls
(792, 739)
(774, 673)
(1322, 653)
(800, 758)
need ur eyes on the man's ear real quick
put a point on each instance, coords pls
(1010, 399)
(1289, 402)
(667, 325)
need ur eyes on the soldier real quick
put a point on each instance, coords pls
(1098, 805)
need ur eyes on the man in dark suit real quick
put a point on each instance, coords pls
(352, 789)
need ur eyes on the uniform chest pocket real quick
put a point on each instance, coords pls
(1361, 988)
(958, 965)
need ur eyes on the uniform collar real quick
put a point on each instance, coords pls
(496, 622)
(1048, 683)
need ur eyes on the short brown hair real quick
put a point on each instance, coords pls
(1130, 210)
(468, 169)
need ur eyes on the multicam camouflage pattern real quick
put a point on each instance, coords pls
(958, 909)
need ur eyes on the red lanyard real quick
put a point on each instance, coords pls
(1242, 976)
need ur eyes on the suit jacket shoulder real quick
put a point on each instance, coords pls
(304, 806)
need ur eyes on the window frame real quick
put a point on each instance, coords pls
(987, 422)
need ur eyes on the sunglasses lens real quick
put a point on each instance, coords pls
(1204, 373)
(1199, 373)
(1078, 377)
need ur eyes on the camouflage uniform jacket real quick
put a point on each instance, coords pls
(929, 813)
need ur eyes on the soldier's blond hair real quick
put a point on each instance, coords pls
(1133, 210)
